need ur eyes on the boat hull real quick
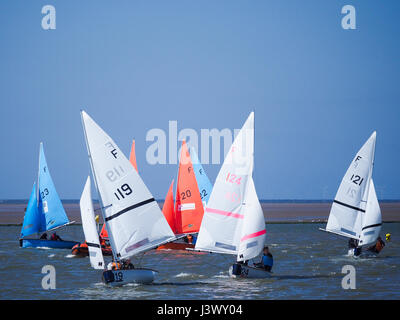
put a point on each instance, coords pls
(54, 244)
(121, 277)
(176, 246)
(81, 250)
(242, 271)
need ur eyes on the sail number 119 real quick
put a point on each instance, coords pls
(123, 191)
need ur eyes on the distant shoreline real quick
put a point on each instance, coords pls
(12, 213)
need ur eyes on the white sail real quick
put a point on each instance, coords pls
(252, 240)
(350, 202)
(221, 227)
(372, 220)
(133, 218)
(90, 228)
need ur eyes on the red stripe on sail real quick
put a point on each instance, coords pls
(225, 213)
(253, 235)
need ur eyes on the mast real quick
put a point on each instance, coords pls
(95, 183)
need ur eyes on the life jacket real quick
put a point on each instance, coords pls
(268, 261)
(115, 265)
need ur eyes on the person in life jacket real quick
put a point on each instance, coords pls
(353, 245)
(378, 246)
(55, 237)
(267, 260)
(126, 264)
(115, 265)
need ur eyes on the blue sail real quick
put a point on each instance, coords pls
(203, 182)
(32, 220)
(49, 202)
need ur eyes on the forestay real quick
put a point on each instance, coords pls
(372, 221)
(221, 228)
(89, 228)
(349, 206)
(133, 219)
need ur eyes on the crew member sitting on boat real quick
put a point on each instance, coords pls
(353, 245)
(267, 261)
(378, 246)
(188, 239)
(55, 237)
(114, 265)
(43, 236)
(126, 264)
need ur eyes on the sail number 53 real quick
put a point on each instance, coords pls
(123, 191)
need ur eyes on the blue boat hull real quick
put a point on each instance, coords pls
(36, 243)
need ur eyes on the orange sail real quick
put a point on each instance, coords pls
(168, 208)
(132, 157)
(103, 232)
(188, 207)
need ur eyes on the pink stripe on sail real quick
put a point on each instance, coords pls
(225, 213)
(253, 235)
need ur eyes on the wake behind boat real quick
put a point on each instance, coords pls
(134, 222)
(44, 212)
(233, 222)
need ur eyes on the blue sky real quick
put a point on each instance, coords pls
(318, 90)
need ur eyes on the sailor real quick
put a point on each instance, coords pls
(378, 246)
(189, 239)
(43, 236)
(126, 264)
(353, 246)
(388, 235)
(114, 265)
(267, 260)
(55, 237)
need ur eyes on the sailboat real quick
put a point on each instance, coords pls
(45, 212)
(233, 221)
(355, 212)
(81, 249)
(185, 218)
(134, 221)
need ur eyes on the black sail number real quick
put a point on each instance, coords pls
(356, 179)
(123, 191)
(203, 193)
(44, 193)
(186, 194)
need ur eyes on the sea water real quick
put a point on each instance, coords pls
(308, 264)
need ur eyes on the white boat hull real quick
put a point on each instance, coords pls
(120, 277)
(243, 271)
